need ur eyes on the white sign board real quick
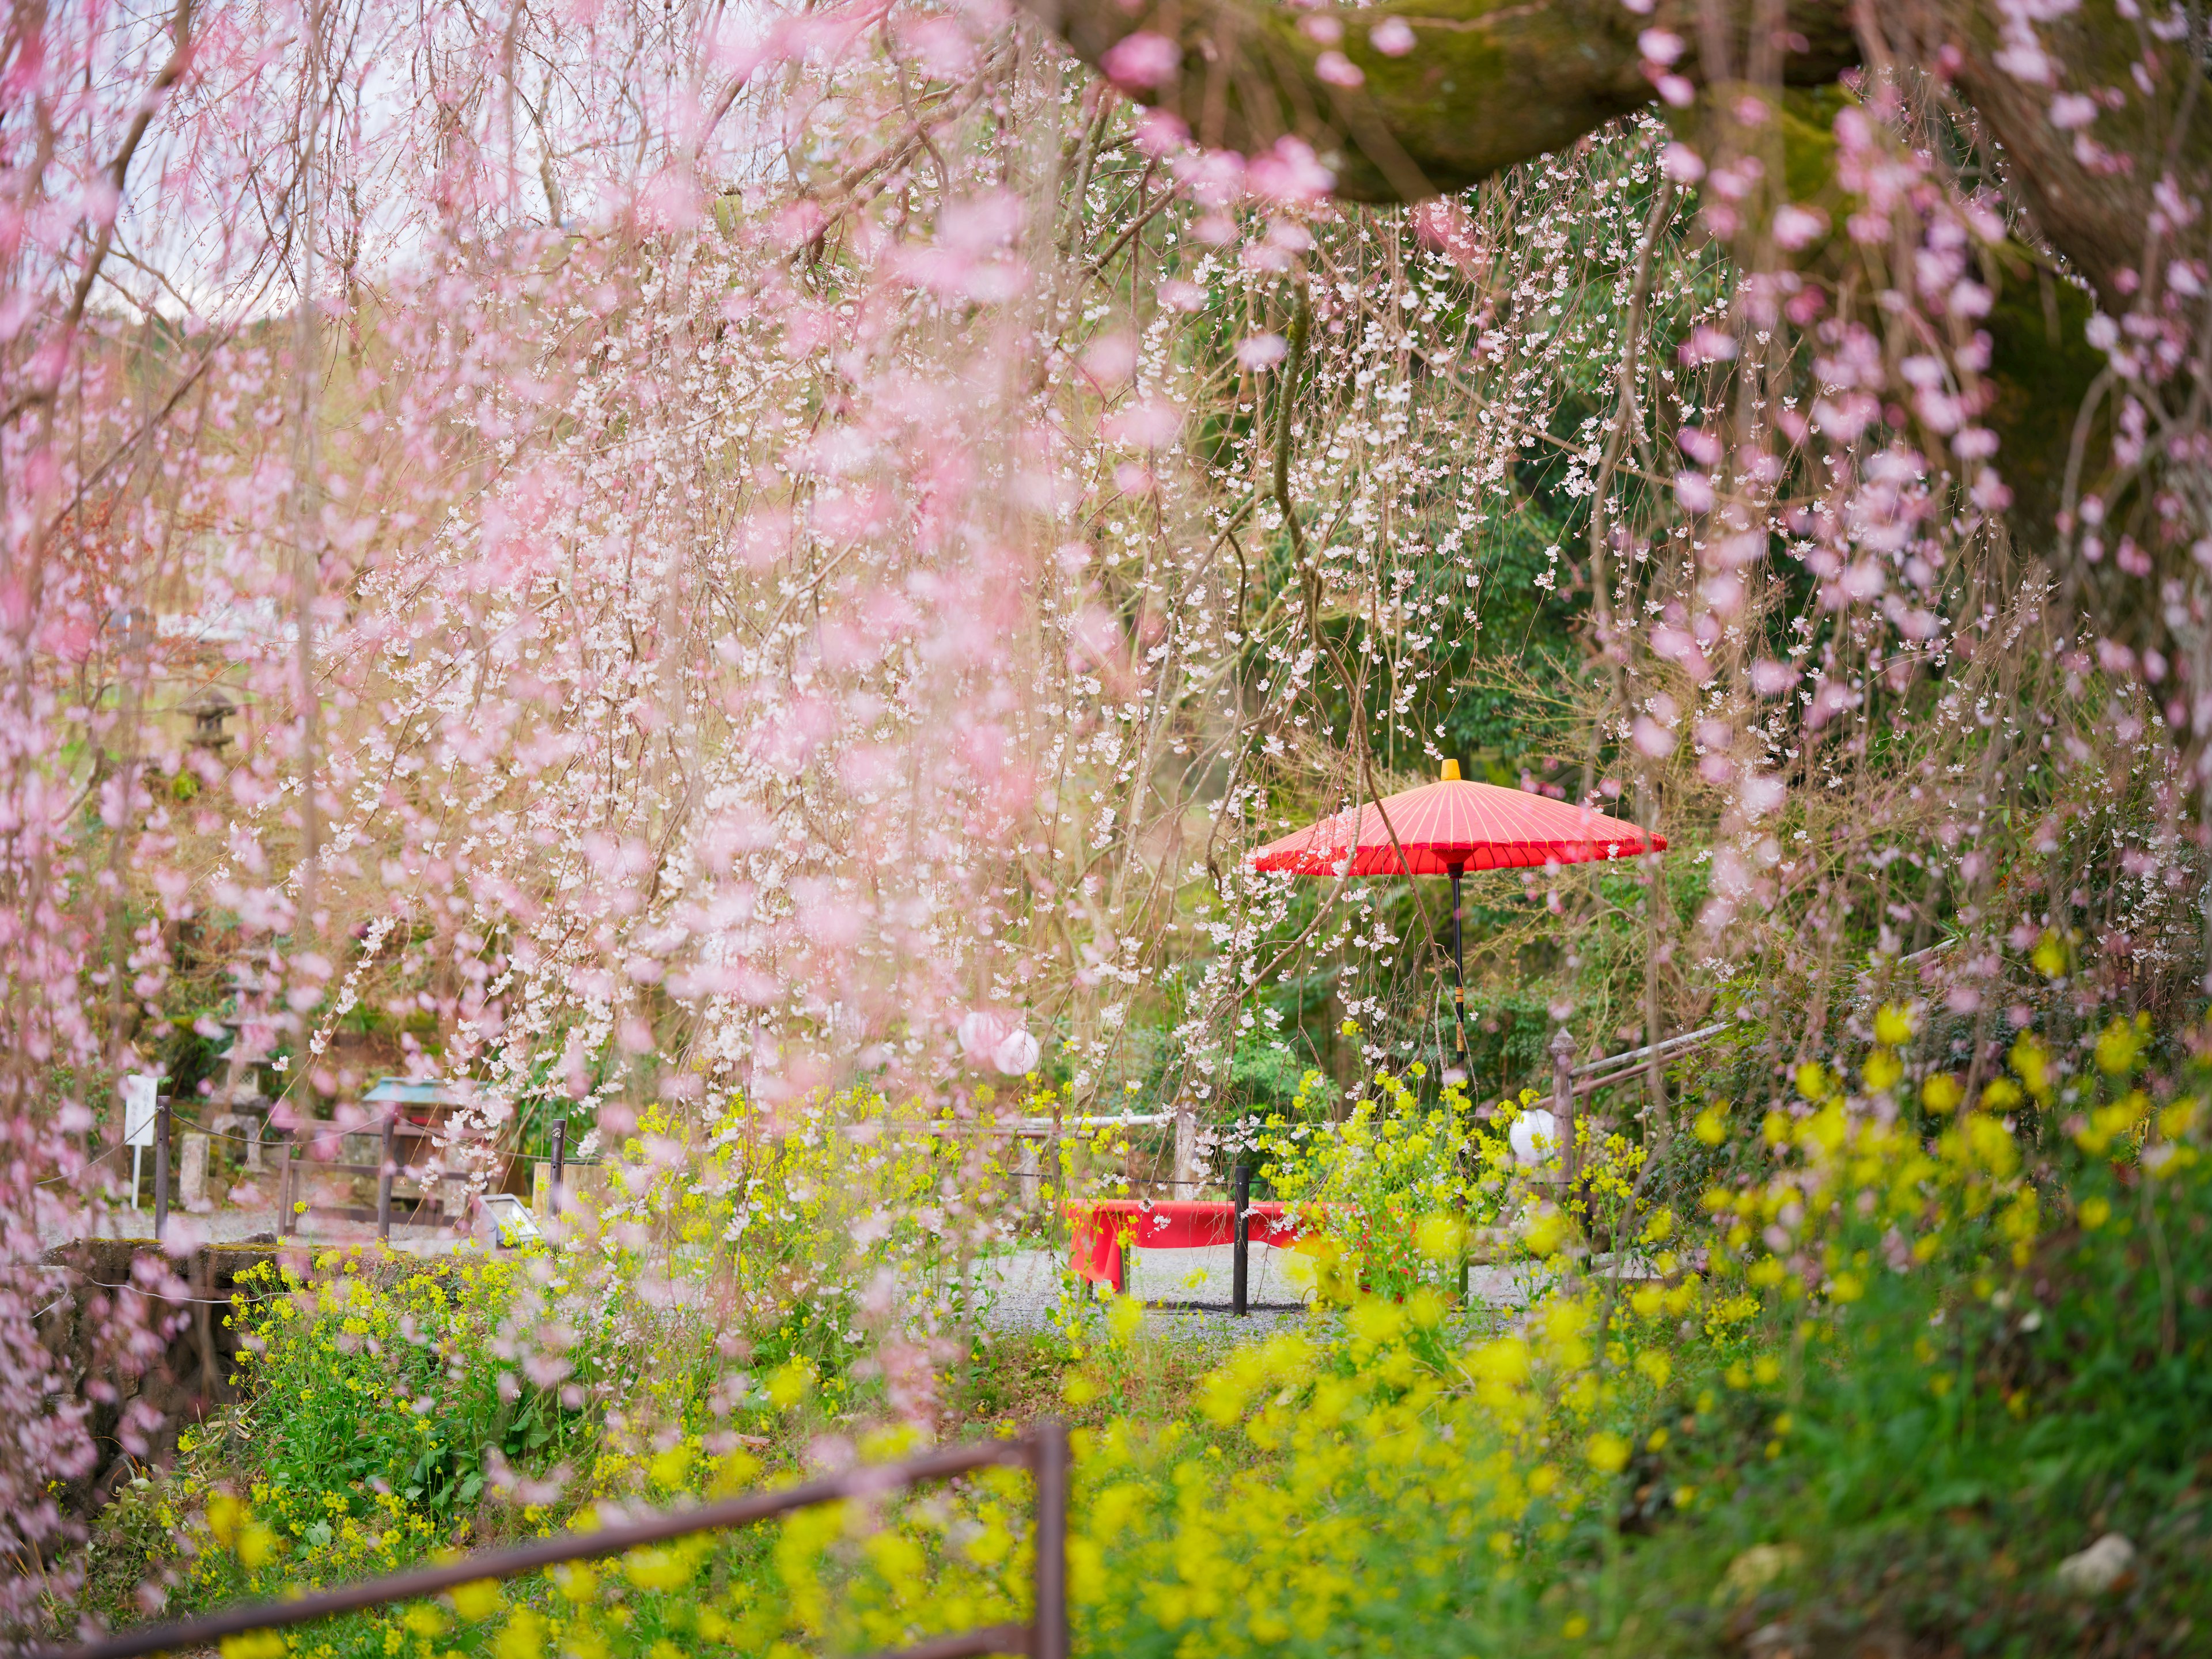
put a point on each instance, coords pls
(511, 1218)
(139, 1092)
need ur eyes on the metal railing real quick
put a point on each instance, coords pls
(1042, 1451)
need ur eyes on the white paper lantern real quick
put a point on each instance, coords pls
(1536, 1139)
(981, 1033)
(1016, 1054)
(999, 1041)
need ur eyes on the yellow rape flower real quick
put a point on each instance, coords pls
(1565, 1320)
(1123, 1315)
(523, 1637)
(479, 1598)
(1544, 1232)
(2050, 955)
(1437, 1238)
(1507, 1359)
(791, 1383)
(1376, 1319)
(224, 1513)
(2121, 1043)
(656, 1569)
(1607, 1452)
(669, 1468)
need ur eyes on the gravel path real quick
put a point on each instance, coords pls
(1026, 1286)
(1188, 1291)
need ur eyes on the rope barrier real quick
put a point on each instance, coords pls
(273, 1139)
(98, 1157)
(194, 1301)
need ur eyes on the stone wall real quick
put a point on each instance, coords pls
(190, 1377)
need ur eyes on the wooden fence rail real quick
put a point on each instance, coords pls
(1042, 1451)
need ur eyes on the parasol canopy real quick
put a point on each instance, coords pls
(1451, 826)
(1446, 829)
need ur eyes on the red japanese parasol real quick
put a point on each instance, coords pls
(1447, 828)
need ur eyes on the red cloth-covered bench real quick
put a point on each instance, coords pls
(1097, 1227)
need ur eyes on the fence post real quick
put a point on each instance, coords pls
(1239, 1257)
(560, 1151)
(1048, 1619)
(1562, 1101)
(161, 1165)
(384, 1172)
(1186, 1149)
(284, 1190)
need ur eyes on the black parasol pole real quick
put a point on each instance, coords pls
(1459, 969)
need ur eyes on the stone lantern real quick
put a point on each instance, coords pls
(209, 711)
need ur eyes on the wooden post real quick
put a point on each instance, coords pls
(1186, 1149)
(560, 1153)
(284, 1190)
(161, 1165)
(384, 1172)
(191, 1170)
(1563, 1102)
(1028, 1171)
(1048, 1622)
(1240, 1260)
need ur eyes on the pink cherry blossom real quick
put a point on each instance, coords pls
(1393, 37)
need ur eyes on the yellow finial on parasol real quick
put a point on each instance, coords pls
(1451, 771)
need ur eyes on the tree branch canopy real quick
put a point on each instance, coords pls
(1476, 86)
(2093, 189)
(2094, 117)
(1487, 83)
